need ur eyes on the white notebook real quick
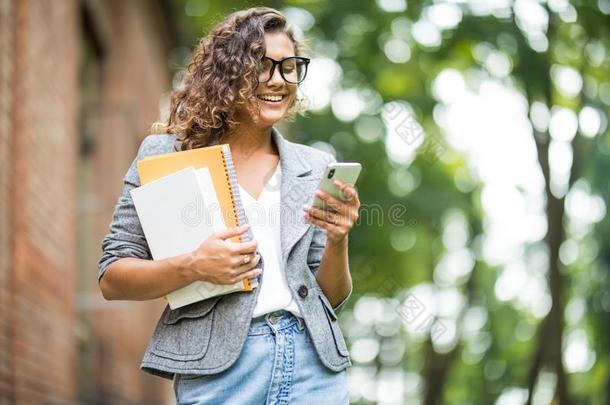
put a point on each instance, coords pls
(177, 213)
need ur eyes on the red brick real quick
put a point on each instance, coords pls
(56, 205)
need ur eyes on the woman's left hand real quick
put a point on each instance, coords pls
(338, 223)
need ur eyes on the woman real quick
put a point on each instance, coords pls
(281, 343)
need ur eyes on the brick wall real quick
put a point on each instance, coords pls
(6, 71)
(41, 201)
(80, 83)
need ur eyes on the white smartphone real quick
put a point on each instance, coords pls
(347, 172)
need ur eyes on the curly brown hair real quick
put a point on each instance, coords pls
(222, 76)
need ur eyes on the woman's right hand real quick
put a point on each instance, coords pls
(218, 260)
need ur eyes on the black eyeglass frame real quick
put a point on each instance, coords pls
(279, 62)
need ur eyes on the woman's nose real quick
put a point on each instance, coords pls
(277, 78)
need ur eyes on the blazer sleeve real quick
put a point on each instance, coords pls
(316, 250)
(125, 237)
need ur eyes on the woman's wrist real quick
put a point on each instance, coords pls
(183, 266)
(338, 244)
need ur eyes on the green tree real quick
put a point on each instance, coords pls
(430, 318)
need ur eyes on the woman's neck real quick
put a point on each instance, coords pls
(247, 141)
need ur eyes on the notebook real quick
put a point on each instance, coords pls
(196, 192)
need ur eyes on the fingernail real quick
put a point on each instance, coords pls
(306, 207)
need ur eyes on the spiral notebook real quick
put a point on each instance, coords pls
(172, 181)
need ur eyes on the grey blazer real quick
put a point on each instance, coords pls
(207, 337)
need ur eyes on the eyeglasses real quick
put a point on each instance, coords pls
(292, 69)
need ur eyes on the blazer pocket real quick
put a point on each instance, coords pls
(194, 310)
(334, 326)
(183, 334)
(307, 173)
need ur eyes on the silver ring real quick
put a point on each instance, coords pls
(246, 259)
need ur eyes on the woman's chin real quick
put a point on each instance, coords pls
(267, 118)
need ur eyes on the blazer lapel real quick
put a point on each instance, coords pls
(297, 188)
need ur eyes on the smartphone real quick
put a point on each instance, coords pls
(347, 172)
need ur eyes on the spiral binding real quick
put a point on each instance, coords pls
(238, 208)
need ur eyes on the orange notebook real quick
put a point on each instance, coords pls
(219, 162)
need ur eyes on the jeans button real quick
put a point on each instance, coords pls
(303, 291)
(272, 319)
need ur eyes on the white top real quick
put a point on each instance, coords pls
(264, 218)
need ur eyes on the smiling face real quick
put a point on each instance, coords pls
(275, 96)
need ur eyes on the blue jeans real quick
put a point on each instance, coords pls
(278, 365)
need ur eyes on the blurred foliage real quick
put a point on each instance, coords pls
(425, 210)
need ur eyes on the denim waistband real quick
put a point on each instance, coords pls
(276, 320)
